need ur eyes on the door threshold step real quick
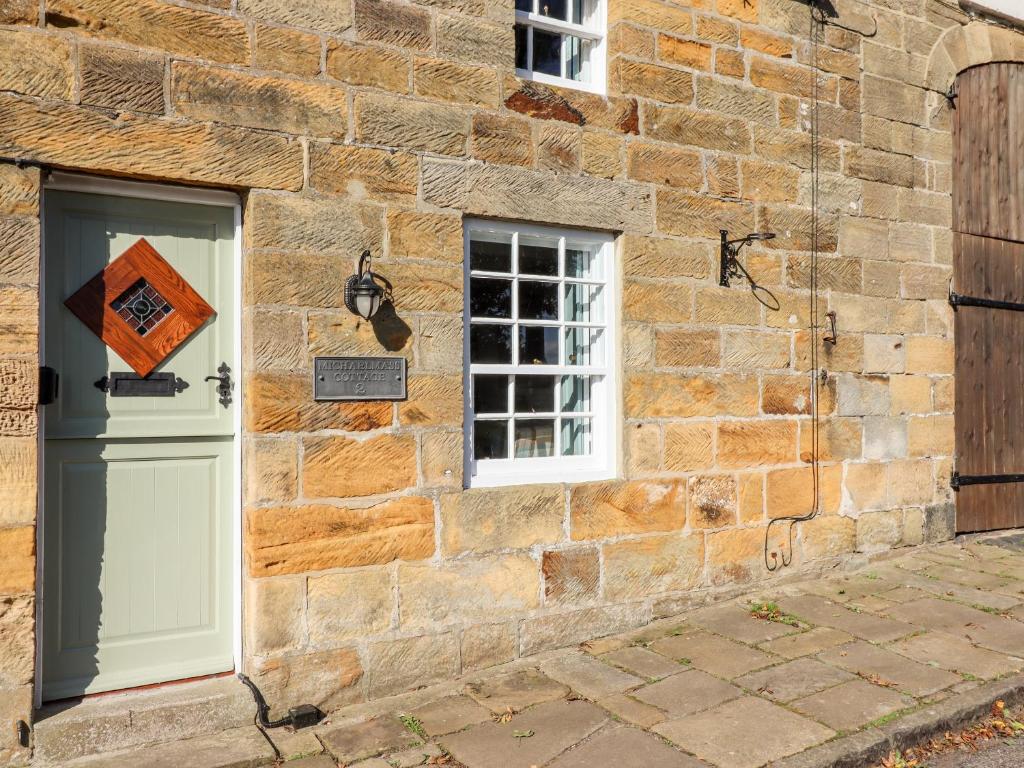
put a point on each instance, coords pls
(235, 748)
(68, 730)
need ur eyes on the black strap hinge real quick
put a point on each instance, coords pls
(959, 300)
(957, 481)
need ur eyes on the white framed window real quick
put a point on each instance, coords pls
(562, 42)
(540, 325)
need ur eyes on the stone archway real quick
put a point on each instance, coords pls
(962, 47)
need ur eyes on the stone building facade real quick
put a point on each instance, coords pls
(345, 125)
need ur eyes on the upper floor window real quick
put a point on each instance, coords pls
(561, 42)
(540, 368)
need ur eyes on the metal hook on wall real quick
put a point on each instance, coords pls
(833, 336)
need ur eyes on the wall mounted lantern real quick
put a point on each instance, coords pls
(730, 249)
(363, 295)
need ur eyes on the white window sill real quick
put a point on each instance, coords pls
(560, 477)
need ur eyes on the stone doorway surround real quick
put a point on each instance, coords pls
(961, 47)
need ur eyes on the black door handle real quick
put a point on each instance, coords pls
(224, 388)
(49, 385)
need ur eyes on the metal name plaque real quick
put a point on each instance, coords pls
(359, 378)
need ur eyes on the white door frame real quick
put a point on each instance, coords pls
(73, 182)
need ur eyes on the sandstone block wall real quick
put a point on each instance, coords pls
(379, 124)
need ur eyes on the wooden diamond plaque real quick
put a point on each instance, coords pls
(140, 307)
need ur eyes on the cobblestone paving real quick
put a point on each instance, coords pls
(717, 686)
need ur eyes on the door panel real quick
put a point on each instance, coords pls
(988, 152)
(138, 497)
(988, 263)
(85, 233)
(989, 382)
(136, 562)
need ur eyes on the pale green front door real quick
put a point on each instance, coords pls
(138, 493)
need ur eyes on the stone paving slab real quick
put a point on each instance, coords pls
(968, 578)
(933, 613)
(409, 758)
(957, 654)
(746, 733)
(590, 677)
(949, 589)
(640, 661)
(355, 741)
(733, 620)
(450, 714)
(807, 643)
(625, 748)
(516, 691)
(1002, 634)
(871, 603)
(851, 705)
(902, 673)
(687, 693)
(630, 710)
(793, 680)
(317, 761)
(902, 595)
(712, 653)
(530, 739)
(866, 626)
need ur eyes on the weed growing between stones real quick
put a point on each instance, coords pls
(771, 612)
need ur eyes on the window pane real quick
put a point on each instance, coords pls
(583, 303)
(538, 301)
(490, 439)
(575, 393)
(538, 258)
(534, 437)
(576, 437)
(488, 256)
(490, 393)
(583, 346)
(538, 345)
(581, 262)
(535, 394)
(490, 344)
(525, 5)
(521, 44)
(553, 8)
(490, 297)
(547, 52)
(577, 58)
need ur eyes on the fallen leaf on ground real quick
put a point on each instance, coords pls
(1000, 725)
(522, 734)
(871, 677)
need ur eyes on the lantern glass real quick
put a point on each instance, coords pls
(367, 297)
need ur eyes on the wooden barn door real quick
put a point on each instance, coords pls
(988, 296)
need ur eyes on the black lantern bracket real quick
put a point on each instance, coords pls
(729, 265)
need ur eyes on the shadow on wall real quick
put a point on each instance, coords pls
(392, 332)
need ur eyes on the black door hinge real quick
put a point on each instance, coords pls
(958, 481)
